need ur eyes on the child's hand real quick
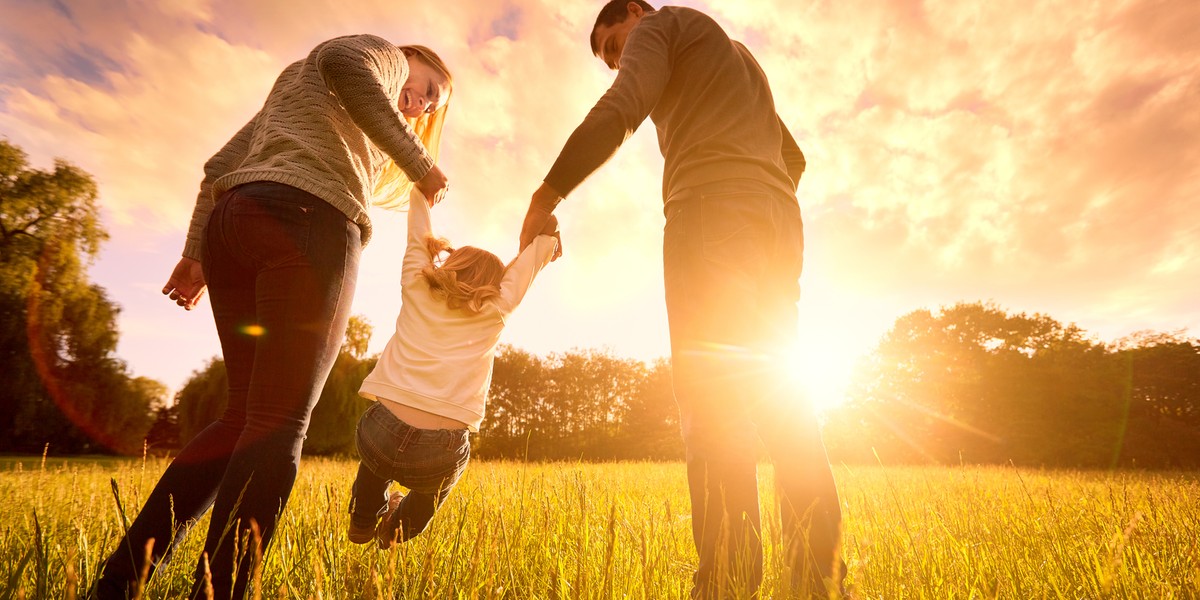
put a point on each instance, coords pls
(551, 226)
(551, 229)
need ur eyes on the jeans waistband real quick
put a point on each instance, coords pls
(747, 185)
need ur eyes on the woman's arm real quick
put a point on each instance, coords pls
(226, 160)
(356, 69)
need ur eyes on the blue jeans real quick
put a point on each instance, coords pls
(732, 256)
(281, 266)
(428, 462)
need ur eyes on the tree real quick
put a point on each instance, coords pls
(650, 420)
(974, 383)
(583, 404)
(64, 384)
(358, 336)
(202, 399)
(332, 425)
(1163, 376)
(516, 410)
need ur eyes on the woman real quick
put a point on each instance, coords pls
(276, 233)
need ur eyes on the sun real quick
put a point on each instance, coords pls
(822, 372)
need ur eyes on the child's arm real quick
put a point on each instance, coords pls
(420, 227)
(521, 272)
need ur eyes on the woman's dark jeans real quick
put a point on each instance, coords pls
(426, 461)
(732, 256)
(280, 266)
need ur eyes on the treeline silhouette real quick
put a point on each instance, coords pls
(970, 383)
(577, 405)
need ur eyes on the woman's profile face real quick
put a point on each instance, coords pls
(426, 90)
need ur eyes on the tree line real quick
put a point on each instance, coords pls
(969, 383)
(577, 405)
(973, 383)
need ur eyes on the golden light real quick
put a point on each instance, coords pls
(821, 374)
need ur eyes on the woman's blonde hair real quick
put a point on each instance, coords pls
(468, 277)
(393, 187)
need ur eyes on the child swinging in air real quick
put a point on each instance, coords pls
(431, 381)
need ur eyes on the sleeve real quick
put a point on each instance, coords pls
(355, 69)
(521, 273)
(226, 160)
(793, 158)
(420, 227)
(645, 70)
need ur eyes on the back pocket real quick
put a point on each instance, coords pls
(271, 231)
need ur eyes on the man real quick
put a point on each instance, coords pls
(732, 254)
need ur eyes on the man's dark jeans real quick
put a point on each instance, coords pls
(281, 266)
(426, 461)
(732, 256)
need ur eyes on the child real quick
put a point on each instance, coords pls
(431, 381)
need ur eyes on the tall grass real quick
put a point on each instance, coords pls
(622, 531)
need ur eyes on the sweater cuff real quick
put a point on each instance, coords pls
(191, 249)
(419, 167)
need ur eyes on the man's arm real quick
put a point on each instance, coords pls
(793, 158)
(541, 207)
(645, 70)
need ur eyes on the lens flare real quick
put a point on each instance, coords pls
(252, 330)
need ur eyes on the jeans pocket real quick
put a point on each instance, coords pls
(271, 231)
(734, 228)
(434, 466)
(377, 445)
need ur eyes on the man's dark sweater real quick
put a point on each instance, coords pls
(708, 98)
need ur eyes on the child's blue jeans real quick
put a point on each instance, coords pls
(426, 461)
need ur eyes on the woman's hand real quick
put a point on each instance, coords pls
(433, 185)
(186, 285)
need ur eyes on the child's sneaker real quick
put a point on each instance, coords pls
(360, 534)
(388, 531)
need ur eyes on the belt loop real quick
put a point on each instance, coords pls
(409, 433)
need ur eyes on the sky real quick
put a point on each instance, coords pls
(1040, 155)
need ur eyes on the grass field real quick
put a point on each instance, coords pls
(622, 531)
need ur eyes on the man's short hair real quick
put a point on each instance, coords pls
(615, 11)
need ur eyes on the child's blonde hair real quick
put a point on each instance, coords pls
(468, 277)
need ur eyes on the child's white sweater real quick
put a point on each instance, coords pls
(439, 360)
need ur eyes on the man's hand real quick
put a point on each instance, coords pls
(541, 207)
(186, 285)
(433, 185)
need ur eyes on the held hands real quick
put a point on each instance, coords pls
(433, 185)
(538, 219)
(551, 229)
(186, 285)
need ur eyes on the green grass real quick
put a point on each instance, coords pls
(622, 531)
